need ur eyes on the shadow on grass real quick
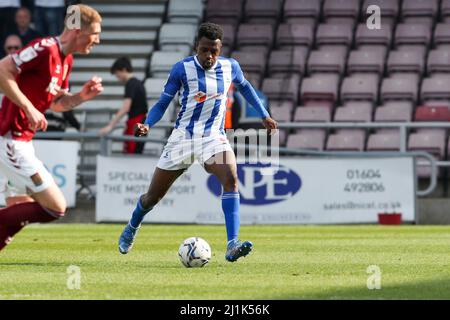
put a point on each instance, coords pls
(438, 289)
(33, 264)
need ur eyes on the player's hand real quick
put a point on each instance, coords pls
(91, 89)
(36, 119)
(105, 130)
(141, 130)
(270, 124)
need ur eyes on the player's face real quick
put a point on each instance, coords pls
(208, 51)
(88, 38)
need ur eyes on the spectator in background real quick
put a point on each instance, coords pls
(241, 114)
(23, 28)
(134, 104)
(7, 11)
(58, 122)
(12, 44)
(49, 16)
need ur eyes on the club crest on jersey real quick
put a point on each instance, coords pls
(202, 97)
(26, 55)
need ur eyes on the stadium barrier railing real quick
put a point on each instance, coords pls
(105, 147)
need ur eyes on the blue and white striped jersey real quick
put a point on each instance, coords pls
(202, 94)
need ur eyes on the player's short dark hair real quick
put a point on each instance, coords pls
(210, 31)
(120, 64)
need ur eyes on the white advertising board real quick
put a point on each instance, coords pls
(303, 191)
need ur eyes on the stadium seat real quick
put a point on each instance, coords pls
(326, 61)
(438, 61)
(361, 112)
(445, 10)
(435, 87)
(415, 10)
(294, 35)
(282, 88)
(281, 111)
(154, 87)
(412, 33)
(436, 113)
(381, 49)
(349, 140)
(177, 37)
(442, 34)
(320, 87)
(312, 139)
(365, 61)
(394, 111)
(312, 114)
(251, 35)
(284, 62)
(302, 11)
(340, 10)
(224, 11)
(253, 63)
(384, 142)
(185, 11)
(263, 11)
(359, 88)
(229, 38)
(365, 35)
(431, 142)
(340, 34)
(389, 11)
(162, 62)
(405, 61)
(398, 88)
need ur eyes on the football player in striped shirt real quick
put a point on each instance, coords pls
(202, 82)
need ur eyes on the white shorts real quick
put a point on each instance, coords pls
(25, 174)
(181, 152)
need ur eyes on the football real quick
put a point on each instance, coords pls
(194, 252)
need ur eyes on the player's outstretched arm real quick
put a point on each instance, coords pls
(65, 101)
(9, 86)
(249, 93)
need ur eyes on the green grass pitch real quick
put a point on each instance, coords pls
(288, 262)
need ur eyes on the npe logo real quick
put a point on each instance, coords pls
(257, 188)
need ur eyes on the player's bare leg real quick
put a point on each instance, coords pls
(44, 206)
(162, 180)
(223, 166)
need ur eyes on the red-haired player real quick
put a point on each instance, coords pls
(34, 80)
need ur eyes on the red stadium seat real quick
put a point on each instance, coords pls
(425, 113)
